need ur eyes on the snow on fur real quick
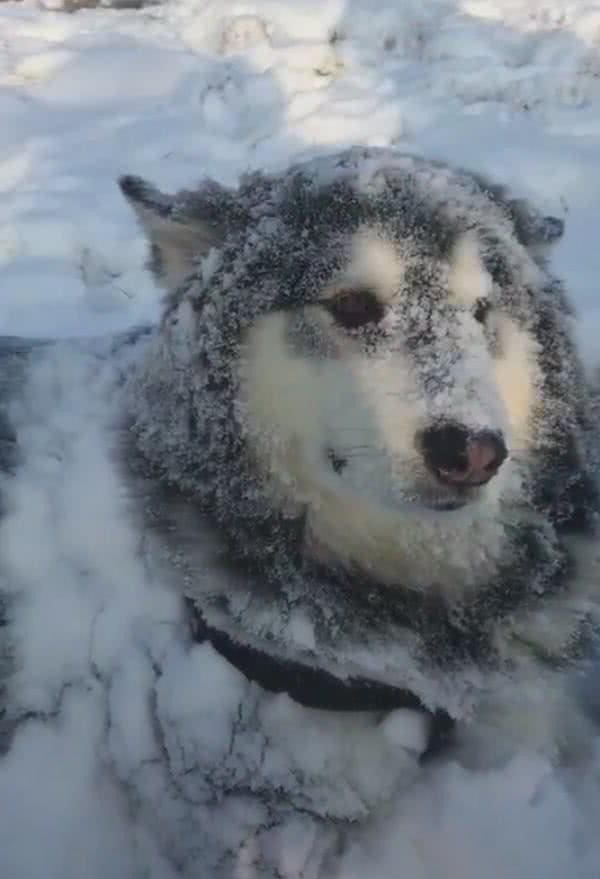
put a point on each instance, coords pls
(283, 239)
(506, 88)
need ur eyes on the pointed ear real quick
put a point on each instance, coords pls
(533, 230)
(175, 227)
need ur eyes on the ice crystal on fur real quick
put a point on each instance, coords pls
(300, 437)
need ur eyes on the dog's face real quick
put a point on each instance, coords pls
(402, 384)
(393, 384)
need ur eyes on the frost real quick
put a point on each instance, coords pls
(113, 720)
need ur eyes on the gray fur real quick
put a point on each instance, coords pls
(277, 241)
(306, 338)
(284, 240)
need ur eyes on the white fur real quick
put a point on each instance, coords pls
(518, 378)
(367, 402)
(468, 279)
(374, 263)
(368, 410)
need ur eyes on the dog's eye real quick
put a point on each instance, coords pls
(482, 309)
(355, 308)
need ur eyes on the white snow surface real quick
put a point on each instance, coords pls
(174, 92)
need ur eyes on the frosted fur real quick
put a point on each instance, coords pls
(475, 610)
(173, 92)
(284, 242)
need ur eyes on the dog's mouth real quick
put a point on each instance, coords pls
(443, 496)
(450, 480)
(449, 495)
(445, 504)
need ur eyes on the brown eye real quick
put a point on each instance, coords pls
(355, 308)
(482, 309)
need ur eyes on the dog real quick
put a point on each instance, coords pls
(365, 447)
(366, 385)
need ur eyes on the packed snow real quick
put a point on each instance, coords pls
(173, 92)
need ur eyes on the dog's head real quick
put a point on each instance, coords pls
(396, 346)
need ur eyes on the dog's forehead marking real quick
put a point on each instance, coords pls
(468, 279)
(374, 262)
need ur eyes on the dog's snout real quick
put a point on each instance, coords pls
(458, 456)
(486, 452)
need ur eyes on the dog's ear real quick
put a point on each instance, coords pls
(533, 230)
(180, 228)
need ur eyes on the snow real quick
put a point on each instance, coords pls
(173, 92)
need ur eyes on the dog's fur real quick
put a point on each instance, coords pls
(297, 436)
(298, 439)
(309, 525)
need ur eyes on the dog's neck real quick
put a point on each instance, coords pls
(277, 572)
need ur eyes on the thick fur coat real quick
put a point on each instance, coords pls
(238, 405)
(363, 441)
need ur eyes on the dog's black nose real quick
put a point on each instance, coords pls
(457, 456)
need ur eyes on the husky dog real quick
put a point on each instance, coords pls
(364, 443)
(366, 452)
(364, 402)
(365, 376)
(365, 380)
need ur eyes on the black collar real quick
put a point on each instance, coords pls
(315, 687)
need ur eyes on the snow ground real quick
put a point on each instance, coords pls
(173, 92)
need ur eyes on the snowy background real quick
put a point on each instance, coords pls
(175, 91)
